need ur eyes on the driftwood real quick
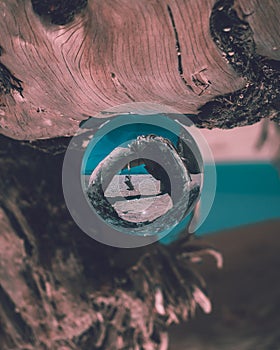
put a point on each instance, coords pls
(62, 62)
(61, 289)
(216, 60)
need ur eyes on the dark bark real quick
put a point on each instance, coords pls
(61, 63)
(260, 97)
(60, 288)
(58, 12)
(8, 82)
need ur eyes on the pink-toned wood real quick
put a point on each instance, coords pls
(58, 288)
(115, 52)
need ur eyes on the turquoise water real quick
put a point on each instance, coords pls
(121, 136)
(246, 193)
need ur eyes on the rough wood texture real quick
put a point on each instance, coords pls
(60, 289)
(64, 61)
(116, 52)
(263, 18)
(260, 96)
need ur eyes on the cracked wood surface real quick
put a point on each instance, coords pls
(60, 289)
(116, 52)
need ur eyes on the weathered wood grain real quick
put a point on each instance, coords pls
(212, 59)
(116, 52)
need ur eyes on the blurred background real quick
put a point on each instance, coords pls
(244, 224)
(248, 176)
